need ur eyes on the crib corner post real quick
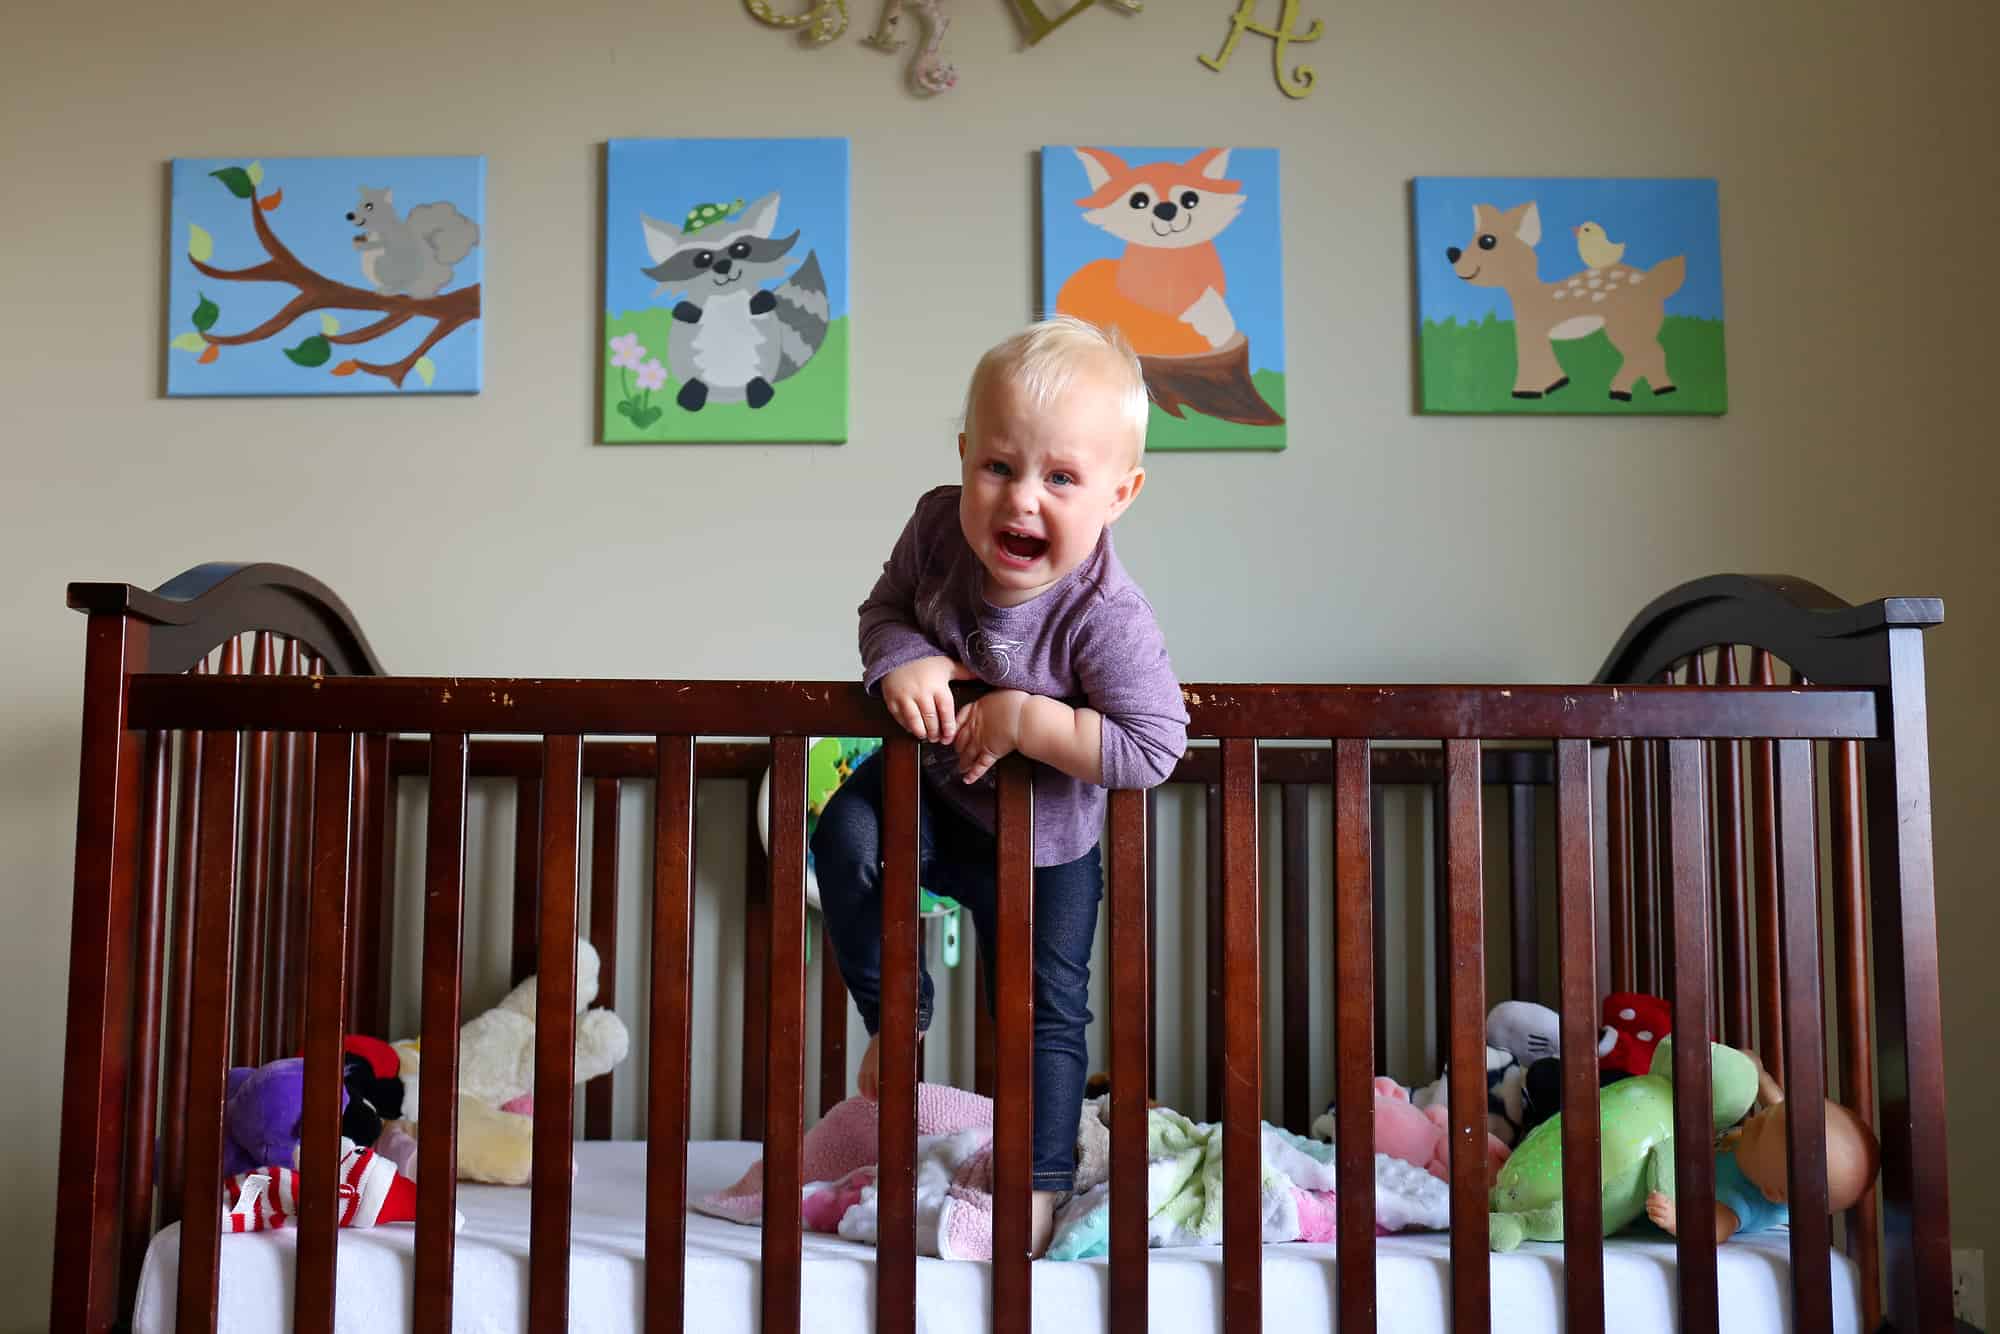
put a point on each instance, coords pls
(96, 1050)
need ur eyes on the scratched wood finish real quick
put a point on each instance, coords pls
(1857, 1040)
(1297, 937)
(144, 1082)
(1463, 876)
(896, 1155)
(1576, 907)
(328, 898)
(1686, 923)
(1014, 1064)
(1355, 923)
(180, 981)
(1733, 942)
(784, 1089)
(527, 875)
(1805, 1068)
(1764, 855)
(1618, 894)
(444, 964)
(208, 1054)
(1242, 1043)
(670, 1036)
(1131, 1047)
(555, 1038)
(603, 936)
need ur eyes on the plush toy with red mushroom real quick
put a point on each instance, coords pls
(1638, 1022)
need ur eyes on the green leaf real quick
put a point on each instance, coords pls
(645, 418)
(200, 244)
(313, 352)
(329, 325)
(625, 408)
(426, 370)
(256, 174)
(189, 342)
(205, 314)
(238, 181)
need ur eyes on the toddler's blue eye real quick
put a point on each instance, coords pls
(1062, 479)
(999, 469)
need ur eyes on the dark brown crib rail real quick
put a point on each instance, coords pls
(128, 702)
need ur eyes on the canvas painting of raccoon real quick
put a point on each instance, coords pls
(725, 291)
(1178, 248)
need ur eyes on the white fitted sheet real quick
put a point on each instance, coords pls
(607, 1274)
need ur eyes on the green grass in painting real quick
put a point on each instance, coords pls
(810, 407)
(1470, 368)
(1195, 431)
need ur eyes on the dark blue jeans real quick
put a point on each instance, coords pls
(955, 858)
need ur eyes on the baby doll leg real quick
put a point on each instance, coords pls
(847, 864)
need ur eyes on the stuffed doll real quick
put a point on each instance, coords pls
(494, 1147)
(1638, 1022)
(1751, 1177)
(1420, 1136)
(260, 1114)
(371, 1075)
(1636, 1139)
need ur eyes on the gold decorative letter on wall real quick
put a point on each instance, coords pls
(826, 20)
(1040, 25)
(1244, 20)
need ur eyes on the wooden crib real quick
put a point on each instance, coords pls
(235, 897)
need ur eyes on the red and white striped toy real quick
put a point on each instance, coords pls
(371, 1192)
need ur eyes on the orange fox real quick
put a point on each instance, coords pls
(1166, 291)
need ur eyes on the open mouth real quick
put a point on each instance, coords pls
(1021, 548)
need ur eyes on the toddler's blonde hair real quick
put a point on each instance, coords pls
(1044, 358)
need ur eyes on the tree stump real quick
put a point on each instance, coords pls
(1217, 384)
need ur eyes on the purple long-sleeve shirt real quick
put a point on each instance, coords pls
(1093, 635)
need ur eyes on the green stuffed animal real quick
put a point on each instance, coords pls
(1637, 1136)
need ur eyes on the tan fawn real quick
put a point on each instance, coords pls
(1624, 301)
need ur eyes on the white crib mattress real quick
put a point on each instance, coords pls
(607, 1274)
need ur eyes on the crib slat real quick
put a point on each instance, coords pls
(255, 880)
(444, 965)
(1014, 1068)
(896, 1152)
(1298, 988)
(360, 905)
(1618, 806)
(379, 945)
(287, 847)
(1440, 929)
(527, 876)
(1131, 1045)
(1645, 868)
(1734, 942)
(671, 1037)
(144, 1086)
(603, 936)
(555, 1037)
(335, 788)
(1857, 1041)
(784, 1087)
(1378, 854)
(1242, 1043)
(1583, 1225)
(1805, 1071)
(1212, 976)
(1152, 940)
(1355, 1012)
(180, 978)
(1764, 841)
(756, 971)
(208, 1058)
(1686, 920)
(1470, 1289)
(1524, 903)
(832, 1027)
(982, 1030)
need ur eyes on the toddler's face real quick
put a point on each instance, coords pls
(1040, 487)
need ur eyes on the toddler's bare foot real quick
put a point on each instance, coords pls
(1661, 1210)
(868, 1080)
(1042, 1227)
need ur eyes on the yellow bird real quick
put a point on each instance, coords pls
(1595, 247)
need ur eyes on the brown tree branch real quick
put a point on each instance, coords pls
(319, 292)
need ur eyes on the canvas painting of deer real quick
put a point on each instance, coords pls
(1570, 295)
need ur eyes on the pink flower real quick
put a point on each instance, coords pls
(651, 375)
(626, 354)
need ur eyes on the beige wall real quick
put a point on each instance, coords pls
(487, 535)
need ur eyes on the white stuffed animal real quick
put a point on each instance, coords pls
(496, 1050)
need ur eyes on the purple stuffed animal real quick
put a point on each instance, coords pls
(260, 1115)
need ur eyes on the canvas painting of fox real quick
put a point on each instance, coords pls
(1178, 248)
(725, 291)
(1570, 295)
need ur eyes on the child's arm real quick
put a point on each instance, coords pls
(898, 659)
(1131, 734)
